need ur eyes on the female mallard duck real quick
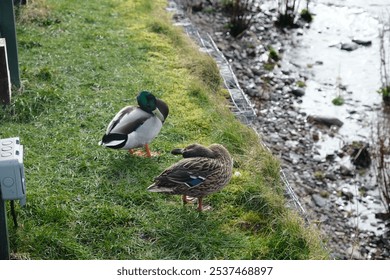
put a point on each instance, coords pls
(204, 170)
(134, 127)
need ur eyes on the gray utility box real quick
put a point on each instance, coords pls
(12, 181)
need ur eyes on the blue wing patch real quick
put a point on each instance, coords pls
(194, 181)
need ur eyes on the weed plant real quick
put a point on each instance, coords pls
(240, 15)
(82, 61)
(381, 155)
(338, 101)
(384, 61)
(287, 13)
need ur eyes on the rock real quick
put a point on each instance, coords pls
(330, 157)
(382, 216)
(317, 158)
(316, 135)
(348, 46)
(346, 171)
(342, 87)
(328, 121)
(298, 92)
(257, 71)
(264, 95)
(252, 92)
(354, 253)
(251, 53)
(319, 200)
(347, 195)
(362, 42)
(330, 177)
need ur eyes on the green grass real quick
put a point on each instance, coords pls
(81, 61)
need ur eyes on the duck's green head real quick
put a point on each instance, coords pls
(148, 103)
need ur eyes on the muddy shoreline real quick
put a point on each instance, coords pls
(318, 178)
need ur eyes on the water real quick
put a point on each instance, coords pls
(355, 76)
(357, 71)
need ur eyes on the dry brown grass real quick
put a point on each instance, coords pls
(36, 10)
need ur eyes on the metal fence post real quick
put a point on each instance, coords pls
(8, 31)
(20, 2)
(5, 81)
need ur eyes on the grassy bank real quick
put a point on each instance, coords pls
(81, 61)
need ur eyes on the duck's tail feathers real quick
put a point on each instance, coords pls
(114, 140)
(157, 188)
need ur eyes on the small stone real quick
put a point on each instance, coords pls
(319, 200)
(317, 158)
(365, 43)
(328, 121)
(330, 157)
(382, 216)
(298, 92)
(348, 46)
(346, 171)
(354, 253)
(316, 135)
(330, 176)
(347, 195)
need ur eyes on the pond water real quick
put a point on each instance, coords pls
(353, 75)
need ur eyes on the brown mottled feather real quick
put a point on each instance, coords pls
(213, 165)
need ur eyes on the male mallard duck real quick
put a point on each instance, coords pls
(204, 170)
(134, 127)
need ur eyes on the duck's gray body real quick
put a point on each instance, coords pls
(133, 126)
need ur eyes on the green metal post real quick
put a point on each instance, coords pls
(8, 31)
(4, 240)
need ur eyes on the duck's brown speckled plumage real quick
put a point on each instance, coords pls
(204, 170)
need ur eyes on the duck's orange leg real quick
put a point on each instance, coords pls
(200, 206)
(148, 153)
(184, 199)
